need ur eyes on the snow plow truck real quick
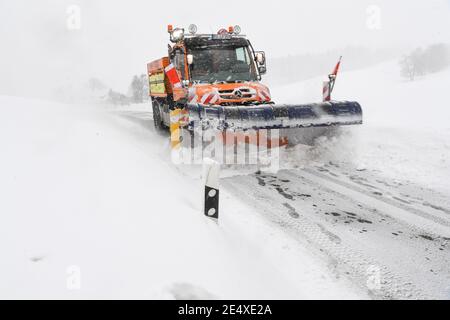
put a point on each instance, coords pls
(215, 80)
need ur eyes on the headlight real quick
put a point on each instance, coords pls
(177, 35)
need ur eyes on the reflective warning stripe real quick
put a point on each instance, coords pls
(336, 69)
(264, 95)
(214, 98)
(175, 139)
(193, 99)
(205, 98)
(192, 95)
(210, 98)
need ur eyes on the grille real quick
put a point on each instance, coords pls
(246, 93)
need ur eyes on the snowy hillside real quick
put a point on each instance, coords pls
(93, 208)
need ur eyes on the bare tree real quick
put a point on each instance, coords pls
(139, 88)
(145, 87)
(407, 69)
(423, 61)
(418, 62)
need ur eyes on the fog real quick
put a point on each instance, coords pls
(114, 40)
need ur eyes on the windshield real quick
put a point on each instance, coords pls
(223, 64)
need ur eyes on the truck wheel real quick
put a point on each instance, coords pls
(157, 119)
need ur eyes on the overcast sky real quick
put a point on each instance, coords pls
(116, 38)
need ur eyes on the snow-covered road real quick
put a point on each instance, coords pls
(366, 226)
(390, 237)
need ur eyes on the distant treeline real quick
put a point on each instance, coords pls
(304, 66)
(137, 91)
(422, 61)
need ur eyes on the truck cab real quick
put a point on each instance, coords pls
(208, 69)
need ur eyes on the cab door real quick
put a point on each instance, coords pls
(178, 59)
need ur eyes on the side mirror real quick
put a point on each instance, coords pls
(190, 59)
(261, 61)
(262, 69)
(261, 57)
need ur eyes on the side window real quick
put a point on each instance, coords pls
(179, 63)
(240, 54)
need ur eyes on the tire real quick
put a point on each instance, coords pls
(157, 119)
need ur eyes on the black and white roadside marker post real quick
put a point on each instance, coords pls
(211, 173)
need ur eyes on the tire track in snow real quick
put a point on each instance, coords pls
(432, 223)
(345, 259)
(348, 258)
